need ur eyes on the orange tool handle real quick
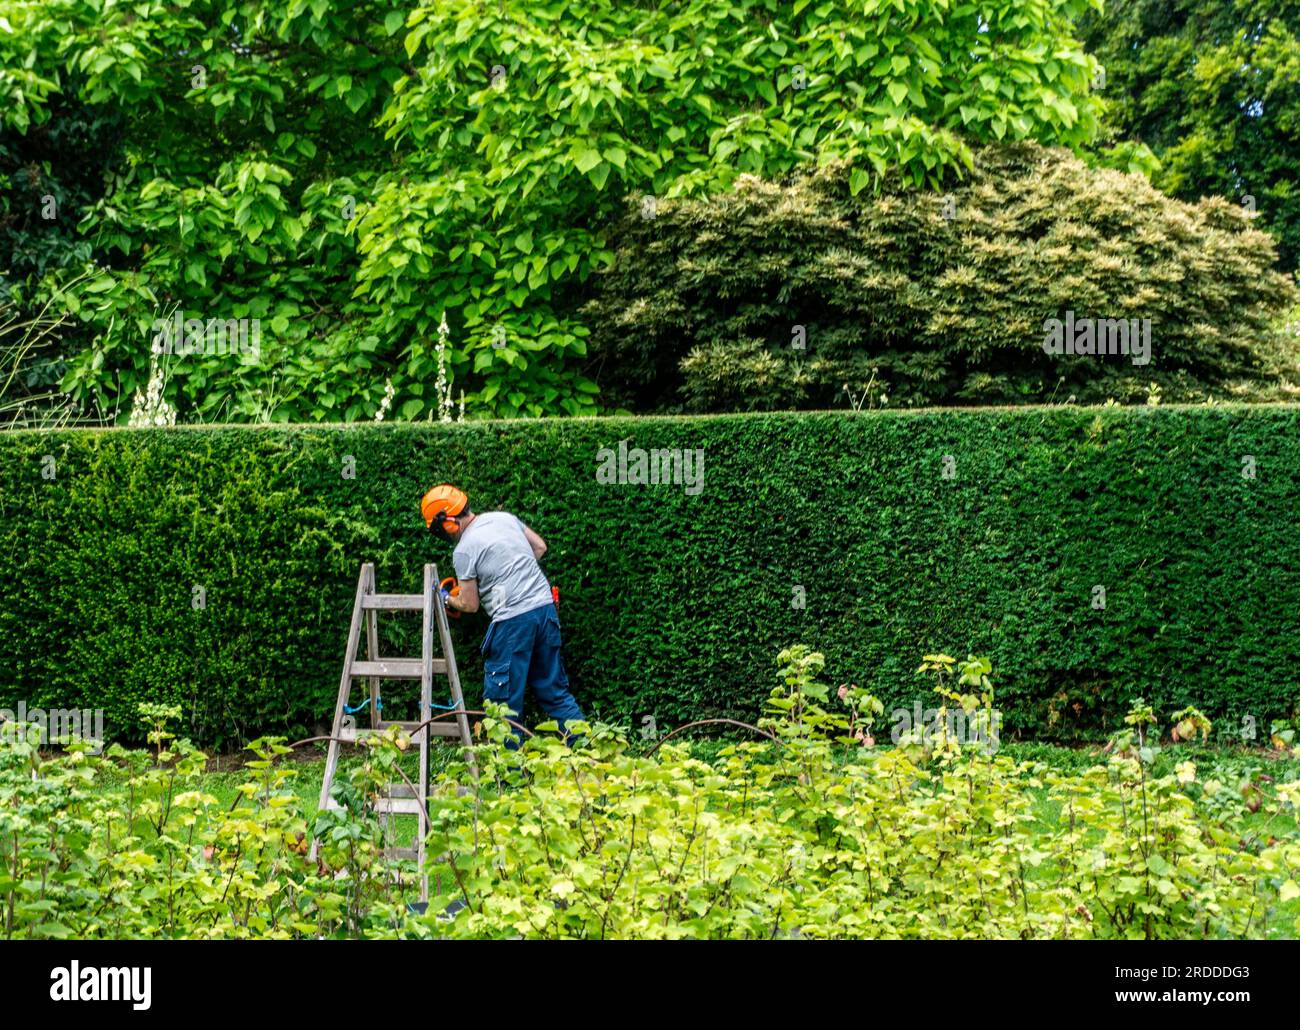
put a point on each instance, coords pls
(452, 587)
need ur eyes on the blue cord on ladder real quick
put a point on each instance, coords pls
(379, 706)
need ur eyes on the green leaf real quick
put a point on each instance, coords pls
(1159, 866)
(586, 159)
(413, 39)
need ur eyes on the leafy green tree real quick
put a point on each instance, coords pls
(349, 173)
(800, 295)
(209, 211)
(54, 152)
(1212, 87)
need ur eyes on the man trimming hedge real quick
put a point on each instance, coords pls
(495, 558)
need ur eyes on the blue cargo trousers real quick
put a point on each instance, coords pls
(525, 651)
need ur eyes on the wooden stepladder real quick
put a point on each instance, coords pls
(398, 798)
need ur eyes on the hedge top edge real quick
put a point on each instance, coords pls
(1020, 411)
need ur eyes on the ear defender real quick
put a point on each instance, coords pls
(443, 503)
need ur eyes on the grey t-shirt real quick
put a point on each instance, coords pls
(495, 552)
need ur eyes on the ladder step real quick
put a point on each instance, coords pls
(385, 806)
(408, 853)
(390, 668)
(446, 728)
(397, 668)
(398, 806)
(393, 602)
(351, 734)
(409, 725)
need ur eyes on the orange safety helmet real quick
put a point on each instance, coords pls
(443, 502)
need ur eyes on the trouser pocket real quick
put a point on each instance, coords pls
(551, 626)
(496, 678)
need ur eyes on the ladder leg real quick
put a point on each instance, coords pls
(365, 580)
(453, 678)
(372, 652)
(426, 712)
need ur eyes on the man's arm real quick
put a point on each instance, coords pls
(535, 542)
(467, 599)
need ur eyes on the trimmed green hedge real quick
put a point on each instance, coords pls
(675, 603)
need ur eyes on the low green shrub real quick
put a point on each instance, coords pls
(812, 832)
(801, 294)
